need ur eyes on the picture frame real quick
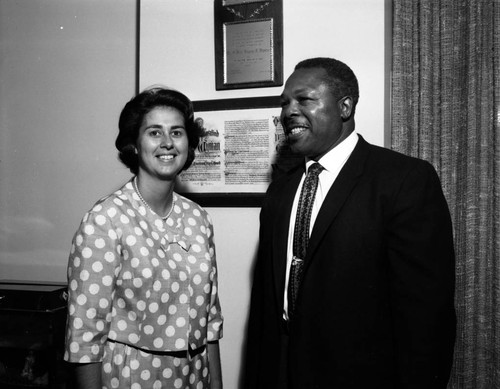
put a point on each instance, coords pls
(242, 149)
(248, 43)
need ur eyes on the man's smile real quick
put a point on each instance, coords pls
(297, 130)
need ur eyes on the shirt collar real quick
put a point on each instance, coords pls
(335, 158)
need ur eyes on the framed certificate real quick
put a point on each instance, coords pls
(248, 43)
(243, 147)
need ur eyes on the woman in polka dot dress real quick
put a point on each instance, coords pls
(143, 309)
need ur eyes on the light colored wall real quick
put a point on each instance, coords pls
(352, 31)
(67, 67)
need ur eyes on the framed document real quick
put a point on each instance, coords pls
(248, 43)
(242, 148)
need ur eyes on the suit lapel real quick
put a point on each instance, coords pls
(338, 194)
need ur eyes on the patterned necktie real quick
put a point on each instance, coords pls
(301, 233)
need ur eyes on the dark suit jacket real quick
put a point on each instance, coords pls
(375, 308)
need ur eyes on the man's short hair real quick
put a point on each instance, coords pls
(340, 78)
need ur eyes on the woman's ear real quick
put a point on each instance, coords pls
(346, 106)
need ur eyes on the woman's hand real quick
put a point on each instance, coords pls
(214, 365)
(88, 375)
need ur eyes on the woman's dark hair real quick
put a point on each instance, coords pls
(340, 78)
(132, 116)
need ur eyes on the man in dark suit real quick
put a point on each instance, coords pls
(374, 307)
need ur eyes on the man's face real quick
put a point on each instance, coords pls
(311, 114)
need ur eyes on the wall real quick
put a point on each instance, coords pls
(67, 67)
(353, 31)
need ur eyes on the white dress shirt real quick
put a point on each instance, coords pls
(332, 162)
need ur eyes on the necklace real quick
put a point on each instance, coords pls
(146, 203)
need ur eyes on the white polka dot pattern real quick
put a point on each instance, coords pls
(140, 280)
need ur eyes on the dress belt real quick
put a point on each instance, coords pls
(178, 354)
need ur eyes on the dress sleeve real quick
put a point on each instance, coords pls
(92, 268)
(215, 319)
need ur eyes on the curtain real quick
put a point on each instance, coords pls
(445, 108)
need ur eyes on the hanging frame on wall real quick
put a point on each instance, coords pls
(243, 147)
(248, 43)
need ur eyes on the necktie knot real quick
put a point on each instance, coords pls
(315, 169)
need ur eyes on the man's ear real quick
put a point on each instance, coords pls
(346, 106)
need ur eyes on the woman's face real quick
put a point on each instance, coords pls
(162, 143)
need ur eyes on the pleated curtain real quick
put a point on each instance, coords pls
(445, 108)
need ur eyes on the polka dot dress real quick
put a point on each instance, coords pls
(142, 292)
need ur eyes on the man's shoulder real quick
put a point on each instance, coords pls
(378, 156)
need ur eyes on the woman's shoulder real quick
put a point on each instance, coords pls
(191, 207)
(116, 202)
